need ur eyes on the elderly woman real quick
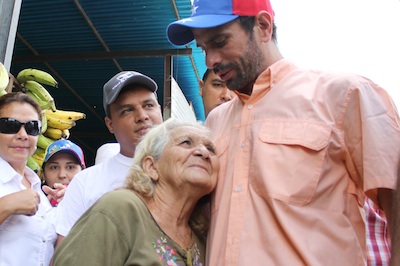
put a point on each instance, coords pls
(159, 218)
(27, 234)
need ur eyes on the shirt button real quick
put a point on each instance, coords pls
(238, 188)
(250, 106)
(243, 144)
(44, 240)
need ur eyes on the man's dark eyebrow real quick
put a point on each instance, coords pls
(212, 39)
(217, 80)
(124, 106)
(150, 100)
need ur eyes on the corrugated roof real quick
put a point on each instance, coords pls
(83, 43)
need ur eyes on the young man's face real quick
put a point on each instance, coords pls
(214, 92)
(132, 115)
(233, 53)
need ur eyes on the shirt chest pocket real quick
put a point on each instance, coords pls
(288, 158)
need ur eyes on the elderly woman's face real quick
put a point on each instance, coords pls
(189, 158)
(16, 148)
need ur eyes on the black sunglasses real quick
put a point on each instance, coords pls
(12, 126)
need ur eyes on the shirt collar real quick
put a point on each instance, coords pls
(271, 75)
(8, 174)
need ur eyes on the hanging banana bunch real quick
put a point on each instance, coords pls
(56, 124)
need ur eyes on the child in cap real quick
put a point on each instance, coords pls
(63, 160)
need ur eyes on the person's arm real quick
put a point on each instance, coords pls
(395, 233)
(385, 201)
(25, 202)
(60, 238)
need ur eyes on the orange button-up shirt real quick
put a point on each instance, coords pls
(296, 158)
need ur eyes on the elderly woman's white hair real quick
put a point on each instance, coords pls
(153, 144)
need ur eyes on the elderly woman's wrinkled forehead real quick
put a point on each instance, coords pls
(199, 134)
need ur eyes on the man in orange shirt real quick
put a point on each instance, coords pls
(299, 150)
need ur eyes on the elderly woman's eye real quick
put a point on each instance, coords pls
(186, 142)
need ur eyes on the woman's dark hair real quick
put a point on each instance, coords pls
(20, 97)
(247, 23)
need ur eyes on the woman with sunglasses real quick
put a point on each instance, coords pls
(27, 234)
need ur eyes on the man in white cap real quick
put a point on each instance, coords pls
(131, 107)
(299, 150)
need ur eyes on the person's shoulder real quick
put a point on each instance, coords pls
(120, 201)
(121, 195)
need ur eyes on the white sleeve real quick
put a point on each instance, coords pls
(73, 205)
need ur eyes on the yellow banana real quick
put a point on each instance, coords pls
(4, 78)
(44, 141)
(56, 122)
(66, 133)
(54, 133)
(36, 75)
(33, 164)
(67, 115)
(40, 92)
(38, 159)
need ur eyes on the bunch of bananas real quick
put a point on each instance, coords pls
(55, 123)
(4, 79)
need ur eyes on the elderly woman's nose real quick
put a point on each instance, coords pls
(202, 150)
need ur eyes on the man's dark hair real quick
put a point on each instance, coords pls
(205, 76)
(247, 23)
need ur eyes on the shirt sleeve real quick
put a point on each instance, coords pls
(372, 136)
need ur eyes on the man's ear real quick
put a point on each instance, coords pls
(108, 123)
(201, 84)
(264, 24)
(149, 166)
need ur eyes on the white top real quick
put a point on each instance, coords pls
(26, 240)
(87, 187)
(106, 151)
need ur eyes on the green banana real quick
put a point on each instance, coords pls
(33, 164)
(36, 75)
(40, 152)
(44, 142)
(43, 104)
(41, 92)
(4, 79)
(3, 92)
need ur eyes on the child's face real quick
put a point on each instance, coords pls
(61, 168)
